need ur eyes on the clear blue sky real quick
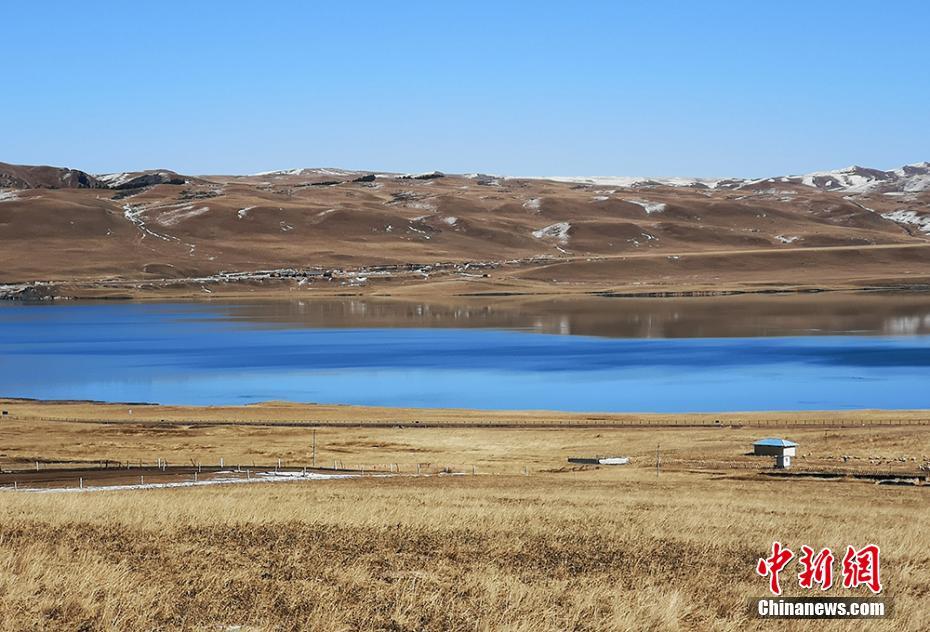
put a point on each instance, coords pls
(583, 88)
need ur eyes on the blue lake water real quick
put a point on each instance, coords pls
(223, 354)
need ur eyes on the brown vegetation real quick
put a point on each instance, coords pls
(560, 548)
(526, 236)
(601, 550)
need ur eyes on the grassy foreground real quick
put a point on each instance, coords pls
(558, 549)
(590, 550)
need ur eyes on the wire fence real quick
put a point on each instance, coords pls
(494, 423)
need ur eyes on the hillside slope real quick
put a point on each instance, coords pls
(329, 229)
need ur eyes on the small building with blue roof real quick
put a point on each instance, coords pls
(781, 449)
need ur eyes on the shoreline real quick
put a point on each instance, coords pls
(31, 293)
(874, 268)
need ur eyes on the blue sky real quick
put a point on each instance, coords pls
(581, 88)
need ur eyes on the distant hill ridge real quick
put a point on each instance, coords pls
(912, 178)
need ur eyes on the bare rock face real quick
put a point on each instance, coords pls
(45, 177)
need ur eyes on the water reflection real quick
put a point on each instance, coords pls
(707, 317)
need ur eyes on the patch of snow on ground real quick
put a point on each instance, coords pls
(649, 207)
(451, 221)
(601, 198)
(8, 196)
(115, 179)
(424, 206)
(787, 240)
(911, 218)
(423, 233)
(557, 231)
(177, 215)
(532, 204)
(257, 477)
(917, 184)
(628, 181)
(134, 214)
(242, 212)
(325, 171)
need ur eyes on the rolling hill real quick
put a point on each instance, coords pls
(65, 232)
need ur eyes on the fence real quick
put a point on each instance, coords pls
(510, 423)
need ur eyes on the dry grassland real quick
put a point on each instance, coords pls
(603, 550)
(558, 549)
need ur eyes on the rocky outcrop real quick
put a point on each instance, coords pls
(139, 179)
(45, 177)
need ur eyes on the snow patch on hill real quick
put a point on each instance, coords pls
(911, 218)
(8, 196)
(650, 207)
(306, 171)
(633, 181)
(558, 231)
(177, 215)
(861, 180)
(854, 180)
(116, 179)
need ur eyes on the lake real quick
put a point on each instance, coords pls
(598, 354)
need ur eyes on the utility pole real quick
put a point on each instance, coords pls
(314, 448)
(657, 460)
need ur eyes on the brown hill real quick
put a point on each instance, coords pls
(339, 230)
(45, 177)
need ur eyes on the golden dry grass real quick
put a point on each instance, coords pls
(595, 549)
(603, 550)
(497, 450)
(310, 414)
